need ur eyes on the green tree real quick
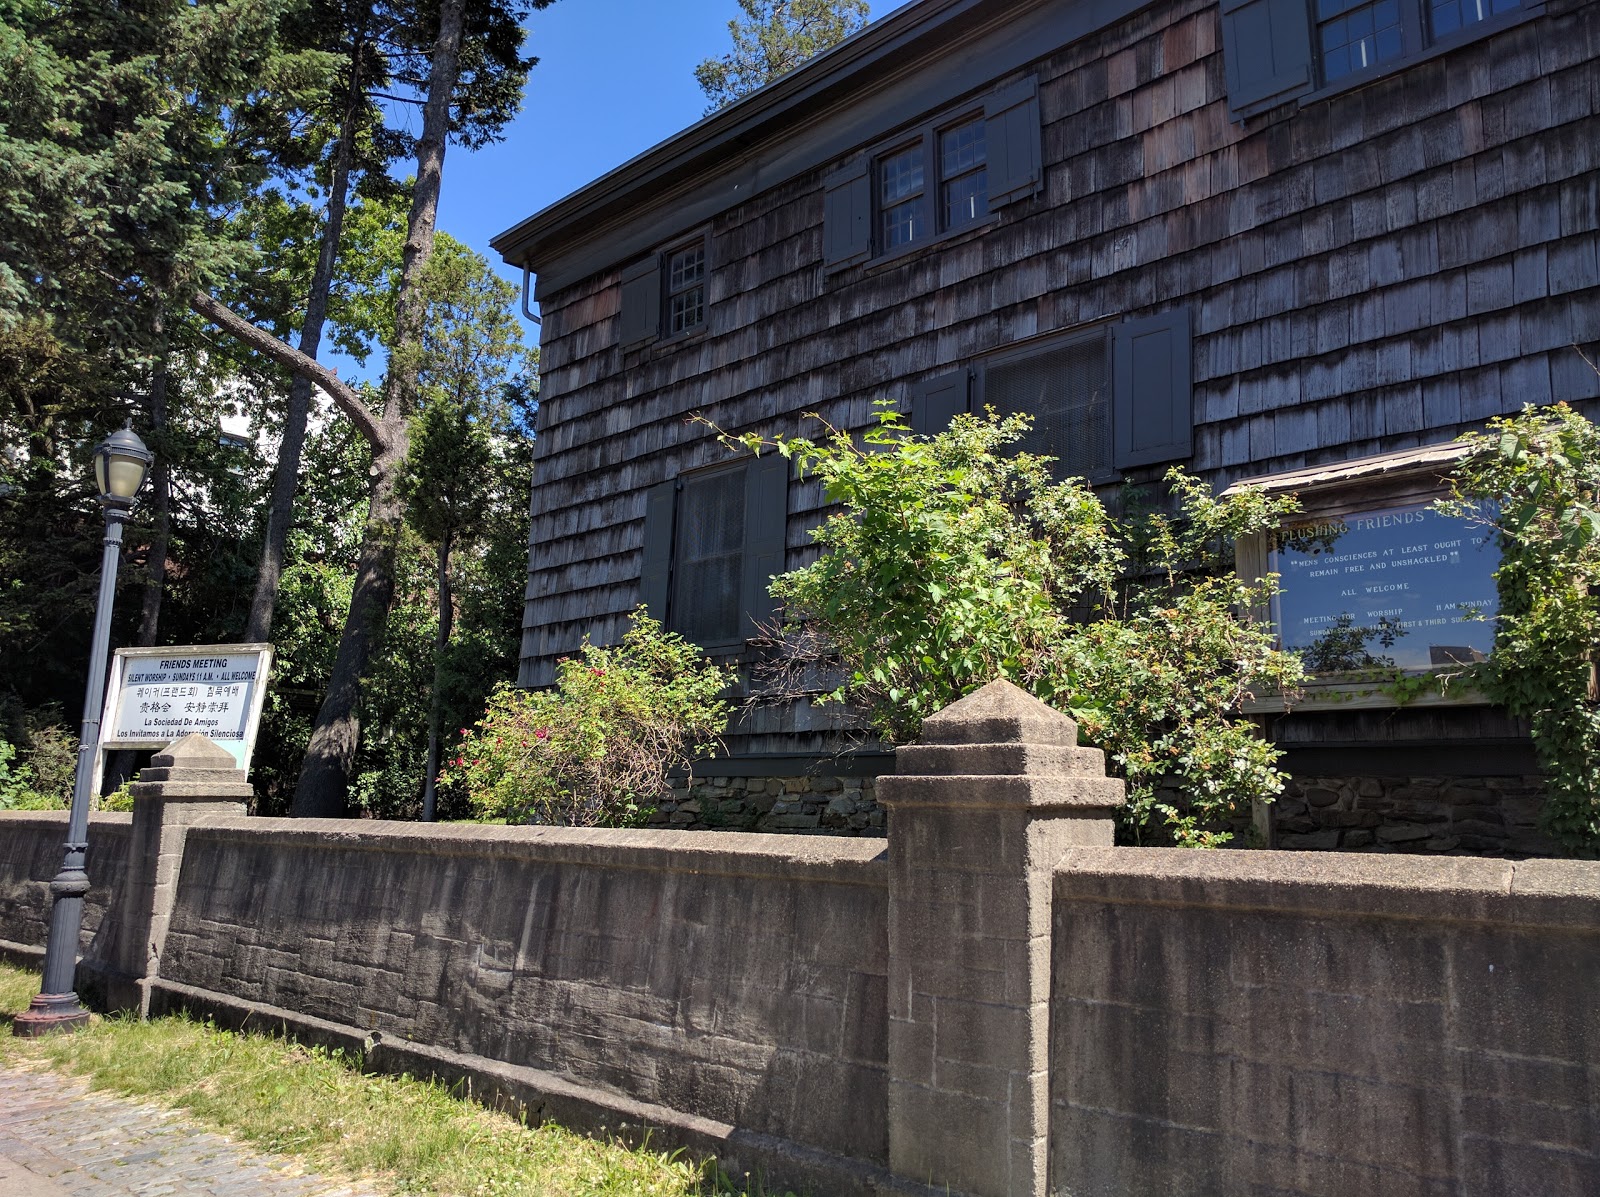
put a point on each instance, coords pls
(462, 31)
(953, 561)
(775, 37)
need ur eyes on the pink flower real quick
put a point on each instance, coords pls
(542, 733)
(598, 672)
(459, 762)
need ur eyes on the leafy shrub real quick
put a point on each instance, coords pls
(14, 779)
(596, 750)
(954, 561)
(1540, 472)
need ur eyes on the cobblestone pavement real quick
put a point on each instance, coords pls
(60, 1139)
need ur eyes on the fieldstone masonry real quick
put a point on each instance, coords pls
(982, 809)
(804, 805)
(187, 783)
(1445, 816)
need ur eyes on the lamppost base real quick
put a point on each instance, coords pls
(49, 1014)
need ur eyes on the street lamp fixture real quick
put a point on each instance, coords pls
(121, 464)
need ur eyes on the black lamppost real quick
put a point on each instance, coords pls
(121, 463)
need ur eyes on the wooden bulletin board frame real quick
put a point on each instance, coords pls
(1408, 478)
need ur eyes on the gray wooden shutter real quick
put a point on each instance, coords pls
(1266, 53)
(655, 573)
(847, 215)
(1152, 413)
(641, 302)
(1011, 135)
(937, 401)
(766, 519)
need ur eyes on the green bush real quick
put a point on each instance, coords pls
(1535, 478)
(595, 751)
(954, 561)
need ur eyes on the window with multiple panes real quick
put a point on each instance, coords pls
(664, 295)
(1353, 36)
(713, 539)
(948, 175)
(1103, 399)
(911, 206)
(915, 201)
(1276, 50)
(686, 289)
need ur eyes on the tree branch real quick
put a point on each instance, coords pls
(344, 396)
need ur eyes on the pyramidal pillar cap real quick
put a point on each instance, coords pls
(193, 769)
(194, 751)
(1000, 713)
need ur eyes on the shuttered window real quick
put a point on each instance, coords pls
(1103, 400)
(664, 295)
(712, 541)
(950, 174)
(1278, 50)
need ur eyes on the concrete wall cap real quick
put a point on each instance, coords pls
(999, 713)
(194, 751)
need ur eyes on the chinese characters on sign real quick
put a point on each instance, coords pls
(159, 695)
(1404, 587)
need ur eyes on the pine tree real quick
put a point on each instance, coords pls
(775, 37)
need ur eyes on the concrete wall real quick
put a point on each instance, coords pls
(737, 979)
(31, 850)
(995, 1003)
(1295, 1024)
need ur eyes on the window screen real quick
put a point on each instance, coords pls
(709, 555)
(1066, 391)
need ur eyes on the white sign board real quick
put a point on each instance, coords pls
(158, 695)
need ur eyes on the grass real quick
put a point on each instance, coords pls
(403, 1134)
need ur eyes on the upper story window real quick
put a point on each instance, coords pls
(951, 174)
(1353, 36)
(911, 206)
(686, 288)
(1278, 50)
(664, 295)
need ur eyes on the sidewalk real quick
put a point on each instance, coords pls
(58, 1138)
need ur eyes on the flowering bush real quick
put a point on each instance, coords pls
(953, 560)
(596, 750)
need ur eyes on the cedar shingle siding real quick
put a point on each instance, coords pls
(1379, 268)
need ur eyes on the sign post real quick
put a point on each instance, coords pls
(158, 695)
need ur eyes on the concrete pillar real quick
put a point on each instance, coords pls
(980, 812)
(188, 781)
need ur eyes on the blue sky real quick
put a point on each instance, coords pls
(614, 78)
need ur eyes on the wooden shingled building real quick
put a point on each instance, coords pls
(1301, 242)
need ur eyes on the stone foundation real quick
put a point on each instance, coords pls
(1453, 816)
(804, 805)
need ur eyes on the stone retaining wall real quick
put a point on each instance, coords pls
(1321, 1026)
(31, 851)
(740, 981)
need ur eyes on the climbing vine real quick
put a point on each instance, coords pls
(1539, 474)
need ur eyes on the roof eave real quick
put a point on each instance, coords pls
(818, 81)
